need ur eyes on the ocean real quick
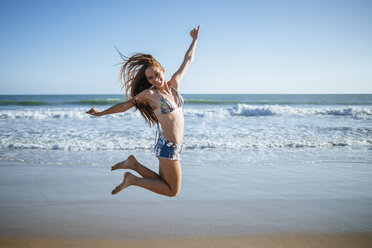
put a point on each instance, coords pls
(221, 129)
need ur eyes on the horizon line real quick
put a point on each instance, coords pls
(58, 94)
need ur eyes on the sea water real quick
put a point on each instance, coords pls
(222, 129)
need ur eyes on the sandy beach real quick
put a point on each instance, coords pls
(221, 206)
(304, 240)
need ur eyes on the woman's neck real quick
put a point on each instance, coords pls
(166, 89)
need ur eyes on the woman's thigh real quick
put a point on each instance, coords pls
(171, 172)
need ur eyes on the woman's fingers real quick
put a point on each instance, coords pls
(92, 111)
(195, 32)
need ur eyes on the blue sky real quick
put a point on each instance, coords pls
(67, 47)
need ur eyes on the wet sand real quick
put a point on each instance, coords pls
(317, 205)
(303, 240)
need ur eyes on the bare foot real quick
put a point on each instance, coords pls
(129, 163)
(126, 182)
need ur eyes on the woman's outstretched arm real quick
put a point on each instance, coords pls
(117, 108)
(189, 57)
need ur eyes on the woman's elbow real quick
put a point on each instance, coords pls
(188, 59)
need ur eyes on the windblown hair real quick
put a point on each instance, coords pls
(132, 74)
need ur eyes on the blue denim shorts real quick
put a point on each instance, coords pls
(167, 149)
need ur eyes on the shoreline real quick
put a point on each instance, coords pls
(61, 205)
(278, 240)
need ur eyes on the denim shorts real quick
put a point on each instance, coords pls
(167, 149)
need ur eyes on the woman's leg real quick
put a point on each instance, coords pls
(132, 163)
(169, 184)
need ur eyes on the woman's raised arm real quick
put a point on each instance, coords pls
(189, 57)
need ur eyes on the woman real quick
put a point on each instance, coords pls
(159, 103)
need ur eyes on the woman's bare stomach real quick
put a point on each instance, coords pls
(172, 125)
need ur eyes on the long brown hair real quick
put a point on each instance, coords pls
(132, 74)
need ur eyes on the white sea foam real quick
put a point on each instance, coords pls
(56, 113)
(214, 133)
(69, 139)
(224, 112)
(269, 110)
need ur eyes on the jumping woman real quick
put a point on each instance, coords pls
(160, 103)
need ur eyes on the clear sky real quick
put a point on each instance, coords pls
(67, 47)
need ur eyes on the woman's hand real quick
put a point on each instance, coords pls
(93, 111)
(195, 33)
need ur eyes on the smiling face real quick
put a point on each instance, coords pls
(155, 76)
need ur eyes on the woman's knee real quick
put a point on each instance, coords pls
(174, 192)
(174, 188)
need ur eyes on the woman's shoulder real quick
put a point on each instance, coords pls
(146, 95)
(150, 91)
